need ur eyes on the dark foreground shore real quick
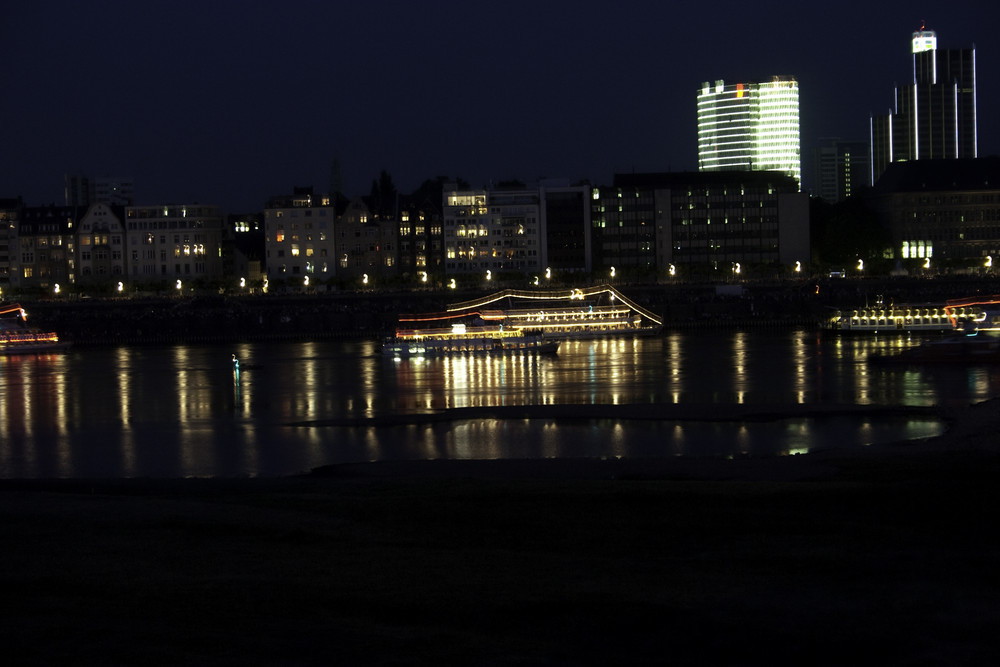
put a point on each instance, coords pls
(888, 556)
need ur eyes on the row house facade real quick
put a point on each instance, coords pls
(42, 250)
(10, 214)
(421, 237)
(171, 243)
(366, 245)
(103, 245)
(299, 236)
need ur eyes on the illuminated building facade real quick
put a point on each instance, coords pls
(941, 209)
(421, 236)
(176, 242)
(299, 237)
(492, 230)
(41, 252)
(100, 243)
(842, 169)
(935, 116)
(366, 243)
(750, 127)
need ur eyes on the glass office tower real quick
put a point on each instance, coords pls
(935, 116)
(750, 127)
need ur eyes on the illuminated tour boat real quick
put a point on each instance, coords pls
(17, 338)
(460, 339)
(907, 318)
(522, 320)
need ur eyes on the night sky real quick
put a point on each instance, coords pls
(230, 102)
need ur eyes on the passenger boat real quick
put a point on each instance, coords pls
(906, 317)
(17, 338)
(462, 340)
(591, 312)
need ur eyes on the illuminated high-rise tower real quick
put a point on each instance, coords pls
(750, 127)
(935, 116)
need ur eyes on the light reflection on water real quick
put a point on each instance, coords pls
(179, 411)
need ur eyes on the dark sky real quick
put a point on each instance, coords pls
(229, 102)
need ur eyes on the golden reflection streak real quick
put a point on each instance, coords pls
(800, 359)
(739, 364)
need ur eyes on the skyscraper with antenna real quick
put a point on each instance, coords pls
(934, 117)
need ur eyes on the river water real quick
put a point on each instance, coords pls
(180, 411)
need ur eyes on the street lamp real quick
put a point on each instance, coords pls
(178, 285)
(452, 284)
(673, 270)
(55, 289)
(121, 287)
(612, 272)
(548, 273)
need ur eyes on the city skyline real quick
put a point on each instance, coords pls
(228, 105)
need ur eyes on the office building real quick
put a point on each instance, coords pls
(701, 223)
(842, 169)
(934, 117)
(943, 210)
(750, 127)
(82, 190)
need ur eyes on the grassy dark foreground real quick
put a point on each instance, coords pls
(875, 559)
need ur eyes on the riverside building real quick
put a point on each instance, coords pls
(299, 236)
(174, 243)
(702, 224)
(750, 127)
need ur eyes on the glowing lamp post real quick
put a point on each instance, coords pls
(55, 289)
(489, 275)
(548, 273)
(364, 279)
(452, 284)
(121, 287)
(243, 283)
(305, 281)
(673, 270)
(861, 265)
(423, 276)
(612, 272)
(989, 261)
(798, 267)
(178, 286)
